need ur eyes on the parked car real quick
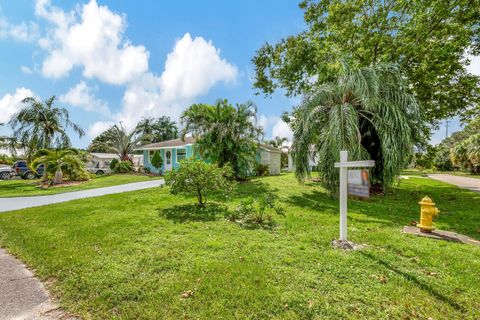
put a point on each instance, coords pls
(22, 169)
(99, 171)
(6, 173)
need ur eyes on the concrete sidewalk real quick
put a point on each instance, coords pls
(9, 204)
(472, 184)
(22, 296)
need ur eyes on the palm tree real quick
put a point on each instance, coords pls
(56, 160)
(368, 112)
(224, 134)
(119, 141)
(41, 125)
(154, 130)
(277, 142)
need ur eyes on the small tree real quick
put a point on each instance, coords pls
(197, 177)
(57, 161)
(157, 160)
(113, 164)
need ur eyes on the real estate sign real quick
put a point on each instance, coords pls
(358, 183)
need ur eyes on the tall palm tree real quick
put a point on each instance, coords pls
(57, 161)
(277, 142)
(224, 134)
(120, 141)
(154, 130)
(42, 125)
(368, 112)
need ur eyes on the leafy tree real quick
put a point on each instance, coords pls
(119, 141)
(124, 166)
(427, 39)
(41, 125)
(157, 160)
(99, 143)
(224, 134)
(57, 161)
(152, 130)
(366, 111)
(196, 177)
(442, 159)
(426, 159)
(277, 142)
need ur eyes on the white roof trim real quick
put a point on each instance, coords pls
(172, 147)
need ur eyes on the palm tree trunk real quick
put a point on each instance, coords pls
(58, 179)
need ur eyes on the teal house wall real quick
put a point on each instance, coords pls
(175, 163)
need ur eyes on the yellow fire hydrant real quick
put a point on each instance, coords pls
(427, 211)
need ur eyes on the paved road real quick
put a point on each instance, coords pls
(22, 296)
(460, 181)
(8, 204)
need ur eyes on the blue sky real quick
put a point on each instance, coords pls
(112, 61)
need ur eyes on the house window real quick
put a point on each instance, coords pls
(168, 155)
(181, 154)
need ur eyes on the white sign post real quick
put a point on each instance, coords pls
(344, 164)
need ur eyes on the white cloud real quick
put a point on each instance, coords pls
(99, 127)
(192, 68)
(282, 129)
(26, 70)
(91, 38)
(26, 32)
(12, 103)
(81, 96)
(474, 67)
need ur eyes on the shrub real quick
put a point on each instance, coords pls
(5, 159)
(197, 177)
(257, 212)
(80, 174)
(157, 160)
(261, 169)
(147, 170)
(123, 167)
(113, 164)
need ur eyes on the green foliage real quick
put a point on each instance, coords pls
(152, 130)
(100, 142)
(157, 160)
(426, 159)
(367, 112)
(123, 166)
(261, 169)
(119, 141)
(442, 159)
(427, 39)
(225, 134)
(6, 159)
(196, 177)
(41, 125)
(60, 161)
(257, 212)
(277, 142)
(113, 164)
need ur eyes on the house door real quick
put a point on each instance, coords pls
(168, 159)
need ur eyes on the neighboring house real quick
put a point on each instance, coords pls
(173, 151)
(99, 163)
(312, 160)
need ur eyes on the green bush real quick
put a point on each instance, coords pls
(261, 170)
(157, 160)
(257, 212)
(80, 174)
(199, 178)
(4, 159)
(113, 164)
(123, 167)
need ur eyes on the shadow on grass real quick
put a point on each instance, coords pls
(314, 200)
(192, 212)
(251, 187)
(417, 282)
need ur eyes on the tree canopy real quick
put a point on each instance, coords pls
(118, 140)
(225, 134)
(42, 125)
(366, 111)
(428, 39)
(152, 130)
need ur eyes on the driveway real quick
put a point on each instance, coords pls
(472, 184)
(8, 204)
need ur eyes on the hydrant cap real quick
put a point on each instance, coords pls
(427, 201)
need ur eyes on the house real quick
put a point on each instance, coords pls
(173, 151)
(99, 163)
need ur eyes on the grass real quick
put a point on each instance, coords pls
(23, 188)
(133, 255)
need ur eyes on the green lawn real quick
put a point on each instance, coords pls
(132, 255)
(23, 188)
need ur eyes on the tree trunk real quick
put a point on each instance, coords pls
(58, 176)
(200, 198)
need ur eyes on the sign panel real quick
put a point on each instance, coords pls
(358, 183)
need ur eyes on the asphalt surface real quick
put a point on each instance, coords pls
(9, 204)
(472, 184)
